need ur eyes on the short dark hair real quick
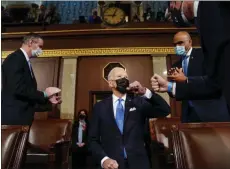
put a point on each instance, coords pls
(30, 36)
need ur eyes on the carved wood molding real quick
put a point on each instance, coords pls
(102, 51)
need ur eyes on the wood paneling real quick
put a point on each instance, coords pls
(92, 36)
(90, 76)
(47, 73)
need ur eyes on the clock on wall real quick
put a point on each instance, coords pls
(113, 16)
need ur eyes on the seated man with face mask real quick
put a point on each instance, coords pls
(116, 134)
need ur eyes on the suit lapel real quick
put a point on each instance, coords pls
(128, 105)
(191, 60)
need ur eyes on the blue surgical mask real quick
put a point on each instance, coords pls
(180, 50)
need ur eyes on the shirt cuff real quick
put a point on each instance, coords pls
(172, 88)
(148, 94)
(45, 95)
(103, 159)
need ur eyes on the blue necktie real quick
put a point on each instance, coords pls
(30, 68)
(185, 69)
(120, 119)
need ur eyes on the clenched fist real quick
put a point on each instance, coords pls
(159, 84)
(137, 88)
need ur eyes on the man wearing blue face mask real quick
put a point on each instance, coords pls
(19, 86)
(191, 64)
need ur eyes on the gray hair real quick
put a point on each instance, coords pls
(30, 36)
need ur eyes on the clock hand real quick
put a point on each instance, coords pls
(114, 12)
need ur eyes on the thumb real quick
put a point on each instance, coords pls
(156, 76)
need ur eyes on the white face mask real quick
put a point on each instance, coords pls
(36, 52)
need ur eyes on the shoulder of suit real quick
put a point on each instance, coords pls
(18, 54)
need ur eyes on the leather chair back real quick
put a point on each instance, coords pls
(162, 141)
(43, 133)
(14, 139)
(204, 145)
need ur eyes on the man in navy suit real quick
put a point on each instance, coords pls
(116, 134)
(191, 63)
(212, 21)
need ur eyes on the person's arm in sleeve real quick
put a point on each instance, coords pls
(94, 136)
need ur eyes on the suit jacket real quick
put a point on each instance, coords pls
(214, 110)
(105, 138)
(213, 24)
(19, 91)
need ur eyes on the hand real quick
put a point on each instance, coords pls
(137, 88)
(55, 99)
(159, 84)
(177, 75)
(80, 144)
(50, 91)
(110, 164)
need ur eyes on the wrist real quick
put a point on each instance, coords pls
(169, 86)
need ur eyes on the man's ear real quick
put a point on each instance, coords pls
(111, 84)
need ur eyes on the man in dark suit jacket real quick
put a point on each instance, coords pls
(214, 110)
(116, 134)
(19, 86)
(213, 25)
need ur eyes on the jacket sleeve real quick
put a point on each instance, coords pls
(14, 68)
(156, 106)
(198, 87)
(94, 135)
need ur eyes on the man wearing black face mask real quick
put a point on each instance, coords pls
(116, 134)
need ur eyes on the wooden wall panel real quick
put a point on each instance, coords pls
(90, 69)
(47, 73)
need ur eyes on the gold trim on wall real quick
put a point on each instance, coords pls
(102, 51)
(94, 30)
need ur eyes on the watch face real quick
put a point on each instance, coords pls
(114, 16)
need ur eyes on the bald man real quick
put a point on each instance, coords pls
(191, 65)
(213, 25)
(116, 134)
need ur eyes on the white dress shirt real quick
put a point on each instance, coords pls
(148, 94)
(27, 59)
(195, 8)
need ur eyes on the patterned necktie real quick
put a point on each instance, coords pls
(120, 119)
(30, 68)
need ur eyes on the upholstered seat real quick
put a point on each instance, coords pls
(13, 144)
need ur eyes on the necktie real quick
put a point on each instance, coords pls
(185, 69)
(120, 118)
(30, 68)
(185, 65)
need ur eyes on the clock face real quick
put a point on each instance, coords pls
(114, 16)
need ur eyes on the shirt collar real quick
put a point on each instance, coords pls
(25, 54)
(115, 98)
(189, 52)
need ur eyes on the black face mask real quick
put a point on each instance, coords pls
(122, 84)
(82, 116)
(177, 17)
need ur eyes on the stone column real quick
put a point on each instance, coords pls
(68, 86)
(160, 68)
